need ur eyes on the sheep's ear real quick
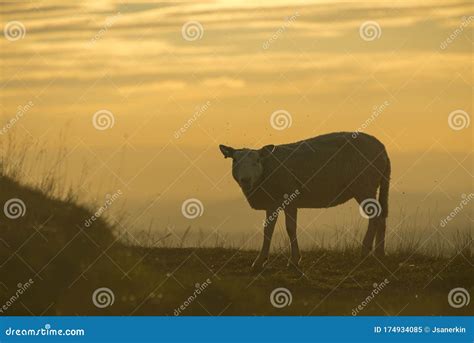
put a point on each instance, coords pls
(227, 151)
(267, 150)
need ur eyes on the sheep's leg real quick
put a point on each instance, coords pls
(368, 241)
(290, 218)
(367, 201)
(268, 228)
(380, 237)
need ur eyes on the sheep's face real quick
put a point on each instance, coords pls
(247, 166)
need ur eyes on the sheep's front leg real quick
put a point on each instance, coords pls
(271, 217)
(290, 219)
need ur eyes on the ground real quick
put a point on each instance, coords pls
(68, 262)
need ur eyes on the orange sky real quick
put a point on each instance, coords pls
(215, 71)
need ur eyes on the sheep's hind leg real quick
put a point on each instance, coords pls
(367, 203)
(268, 228)
(368, 241)
(380, 237)
(290, 218)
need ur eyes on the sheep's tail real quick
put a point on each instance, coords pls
(384, 188)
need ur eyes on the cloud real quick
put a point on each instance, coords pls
(223, 82)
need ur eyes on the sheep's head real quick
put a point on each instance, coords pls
(247, 164)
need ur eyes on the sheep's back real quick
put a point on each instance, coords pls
(324, 170)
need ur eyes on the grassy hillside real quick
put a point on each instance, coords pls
(68, 262)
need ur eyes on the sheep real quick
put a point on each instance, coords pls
(319, 172)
